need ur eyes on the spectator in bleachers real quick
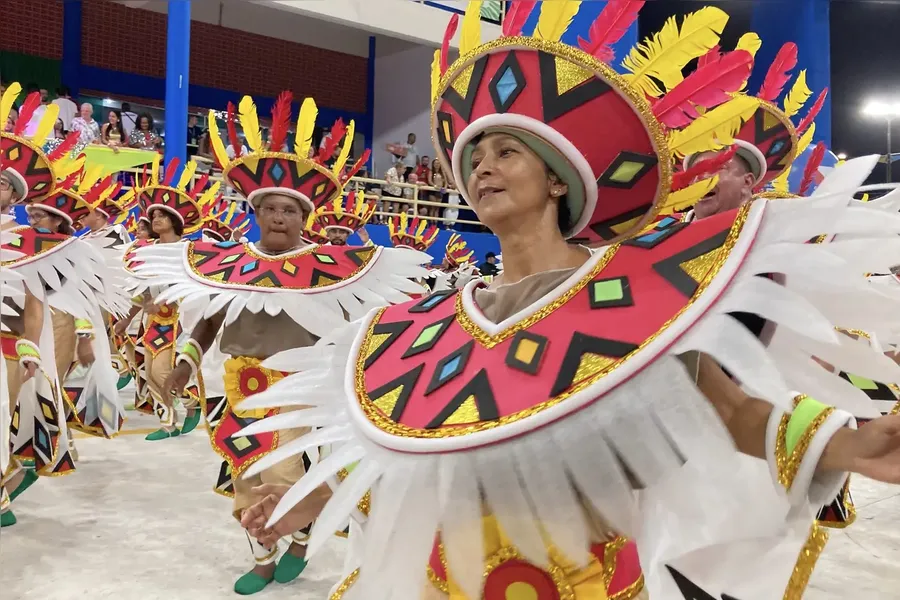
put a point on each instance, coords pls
(67, 107)
(409, 193)
(393, 176)
(56, 138)
(112, 134)
(144, 137)
(11, 119)
(489, 266)
(436, 180)
(86, 126)
(194, 131)
(411, 159)
(38, 114)
(423, 170)
(129, 119)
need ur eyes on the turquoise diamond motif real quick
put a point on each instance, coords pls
(450, 368)
(277, 172)
(249, 267)
(506, 85)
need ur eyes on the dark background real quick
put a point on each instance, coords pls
(865, 63)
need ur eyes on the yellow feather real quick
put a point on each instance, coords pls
(89, 178)
(48, 120)
(806, 140)
(435, 73)
(9, 97)
(798, 95)
(780, 183)
(210, 194)
(187, 174)
(749, 42)
(688, 196)
(67, 166)
(231, 208)
(154, 169)
(128, 198)
(555, 19)
(865, 198)
(306, 124)
(216, 139)
(715, 129)
(664, 57)
(345, 149)
(250, 123)
(470, 32)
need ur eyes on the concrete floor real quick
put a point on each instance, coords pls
(139, 521)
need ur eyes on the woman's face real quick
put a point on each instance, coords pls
(144, 124)
(113, 118)
(41, 219)
(143, 231)
(508, 180)
(58, 126)
(161, 222)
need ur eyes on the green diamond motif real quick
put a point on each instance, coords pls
(427, 335)
(241, 443)
(324, 258)
(862, 383)
(604, 291)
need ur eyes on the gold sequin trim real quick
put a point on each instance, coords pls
(387, 425)
(297, 160)
(854, 332)
(601, 70)
(806, 562)
(776, 111)
(507, 554)
(789, 465)
(774, 195)
(345, 585)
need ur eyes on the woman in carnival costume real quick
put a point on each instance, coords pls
(262, 298)
(518, 420)
(60, 272)
(174, 209)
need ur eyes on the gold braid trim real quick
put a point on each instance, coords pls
(788, 465)
(806, 562)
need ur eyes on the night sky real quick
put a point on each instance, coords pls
(865, 63)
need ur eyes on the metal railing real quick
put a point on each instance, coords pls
(386, 206)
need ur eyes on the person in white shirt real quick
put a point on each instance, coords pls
(129, 119)
(411, 160)
(89, 130)
(38, 114)
(67, 107)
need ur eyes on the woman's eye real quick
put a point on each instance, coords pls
(476, 162)
(506, 151)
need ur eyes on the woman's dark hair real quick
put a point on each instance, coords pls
(118, 126)
(149, 118)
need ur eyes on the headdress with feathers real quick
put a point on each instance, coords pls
(80, 193)
(413, 232)
(314, 233)
(222, 219)
(542, 92)
(23, 158)
(458, 253)
(348, 213)
(295, 174)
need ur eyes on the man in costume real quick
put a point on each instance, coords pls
(517, 419)
(457, 268)
(269, 296)
(174, 209)
(344, 216)
(55, 271)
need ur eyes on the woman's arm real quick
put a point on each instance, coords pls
(33, 317)
(104, 133)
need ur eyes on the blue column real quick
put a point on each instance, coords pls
(369, 130)
(806, 23)
(71, 56)
(178, 51)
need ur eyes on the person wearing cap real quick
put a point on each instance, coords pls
(502, 432)
(12, 189)
(259, 298)
(344, 216)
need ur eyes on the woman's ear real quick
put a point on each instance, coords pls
(557, 187)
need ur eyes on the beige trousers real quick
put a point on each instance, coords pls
(158, 369)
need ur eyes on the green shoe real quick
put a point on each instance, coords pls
(190, 422)
(289, 568)
(123, 381)
(7, 519)
(250, 583)
(28, 463)
(162, 434)
(27, 481)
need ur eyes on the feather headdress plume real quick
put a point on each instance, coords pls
(517, 14)
(779, 72)
(555, 18)
(812, 168)
(615, 19)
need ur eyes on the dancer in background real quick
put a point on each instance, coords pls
(261, 298)
(344, 216)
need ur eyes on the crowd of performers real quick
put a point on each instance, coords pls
(663, 394)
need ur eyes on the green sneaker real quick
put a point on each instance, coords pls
(7, 519)
(162, 434)
(289, 568)
(190, 422)
(27, 481)
(123, 381)
(250, 583)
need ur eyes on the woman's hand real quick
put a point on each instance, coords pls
(873, 450)
(254, 519)
(30, 371)
(176, 381)
(121, 327)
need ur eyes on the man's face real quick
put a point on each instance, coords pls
(411, 138)
(338, 237)
(86, 111)
(44, 95)
(7, 192)
(192, 121)
(735, 187)
(96, 220)
(280, 218)
(492, 259)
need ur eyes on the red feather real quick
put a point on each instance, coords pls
(445, 45)
(281, 121)
(171, 169)
(199, 186)
(779, 72)
(708, 86)
(812, 167)
(356, 166)
(232, 131)
(516, 15)
(70, 181)
(70, 141)
(714, 53)
(609, 27)
(813, 112)
(338, 130)
(26, 112)
(698, 170)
